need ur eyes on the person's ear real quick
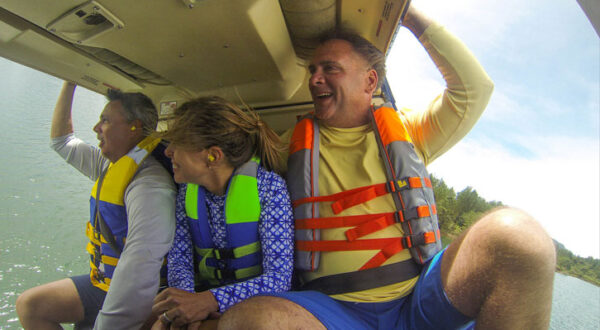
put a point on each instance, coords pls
(215, 155)
(371, 81)
(136, 126)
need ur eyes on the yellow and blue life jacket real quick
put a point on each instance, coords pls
(107, 205)
(241, 258)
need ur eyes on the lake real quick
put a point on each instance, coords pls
(44, 201)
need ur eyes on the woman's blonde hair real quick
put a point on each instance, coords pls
(212, 121)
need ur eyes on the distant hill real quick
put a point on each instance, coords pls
(587, 269)
(457, 211)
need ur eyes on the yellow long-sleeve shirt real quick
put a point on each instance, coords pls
(349, 157)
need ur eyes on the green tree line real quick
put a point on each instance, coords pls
(458, 211)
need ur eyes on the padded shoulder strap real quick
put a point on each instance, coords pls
(242, 203)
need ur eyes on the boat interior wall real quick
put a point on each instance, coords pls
(248, 51)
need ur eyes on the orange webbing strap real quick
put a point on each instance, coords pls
(364, 224)
(362, 244)
(370, 227)
(338, 196)
(360, 197)
(336, 222)
(415, 182)
(387, 246)
(397, 246)
(386, 253)
(423, 211)
(427, 182)
(430, 236)
(346, 199)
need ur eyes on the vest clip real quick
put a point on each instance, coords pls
(398, 216)
(225, 274)
(224, 254)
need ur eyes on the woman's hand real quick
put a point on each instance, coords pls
(178, 308)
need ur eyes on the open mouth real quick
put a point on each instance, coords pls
(324, 95)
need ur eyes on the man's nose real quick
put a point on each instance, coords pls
(316, 78)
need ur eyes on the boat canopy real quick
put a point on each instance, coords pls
(247, 51)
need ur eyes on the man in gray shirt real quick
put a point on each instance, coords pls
(132, 220)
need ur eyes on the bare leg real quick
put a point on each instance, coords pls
(200, 325)
(205, 325)
(268, 313)
(47, 306)
(501, 271)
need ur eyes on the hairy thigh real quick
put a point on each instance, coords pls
(506, 253)
(266, 312)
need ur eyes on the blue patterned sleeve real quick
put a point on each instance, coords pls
(180, 264)
(277, 241)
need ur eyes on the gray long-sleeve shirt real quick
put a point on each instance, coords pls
(150, 206)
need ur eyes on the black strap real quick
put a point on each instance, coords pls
(225, 253)
(364, 279)
(99, 221)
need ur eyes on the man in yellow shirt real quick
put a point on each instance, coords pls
(359, 273)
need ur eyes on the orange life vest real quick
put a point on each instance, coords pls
(407, 181)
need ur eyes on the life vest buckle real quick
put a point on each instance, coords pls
(97, 256)
(99, 275)
(406, 242)
(392, 186)
(225, 274)
(221, 254)
(96, 234)
(398, 216)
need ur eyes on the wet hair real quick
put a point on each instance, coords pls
(136, 106)
(212, 121)
(362, 46)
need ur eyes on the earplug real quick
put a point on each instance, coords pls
(211, 158)
(133, 128)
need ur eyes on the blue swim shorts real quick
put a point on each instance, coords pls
(427, 307)
(91, 298)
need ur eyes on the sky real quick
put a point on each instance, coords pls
(536, 147)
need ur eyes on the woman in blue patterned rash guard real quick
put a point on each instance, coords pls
(234, 234)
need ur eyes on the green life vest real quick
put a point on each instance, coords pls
(241, 257)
